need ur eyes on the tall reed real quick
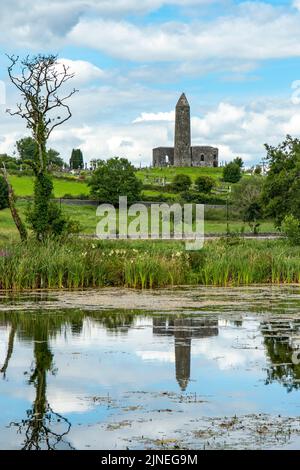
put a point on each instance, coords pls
(79, 264)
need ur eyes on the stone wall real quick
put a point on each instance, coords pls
(163, 156)
(204, 156)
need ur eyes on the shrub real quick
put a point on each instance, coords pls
(156, 187)
(232, 173)
(161, 197)
(181, 183)
(200, 198)
(239, 161)
(81, 196)
(204, 184)
(291, 228)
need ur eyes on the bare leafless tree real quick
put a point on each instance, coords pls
(41, 80)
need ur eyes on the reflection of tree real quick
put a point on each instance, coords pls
(184, 329)
(278, 342)
(10, 348)
(114, 321)
(43, 428)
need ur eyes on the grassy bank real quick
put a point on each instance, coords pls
(150, 174)
(81, 264)
(23, 186)
(215, 221)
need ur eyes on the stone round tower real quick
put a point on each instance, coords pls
(182, 151)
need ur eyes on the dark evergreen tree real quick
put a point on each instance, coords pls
(76, 160)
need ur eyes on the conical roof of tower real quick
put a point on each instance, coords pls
(183, 101)
(183, 383)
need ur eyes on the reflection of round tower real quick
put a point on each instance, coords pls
(182, 152)
(183, 333)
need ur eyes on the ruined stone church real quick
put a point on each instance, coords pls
(183, 153)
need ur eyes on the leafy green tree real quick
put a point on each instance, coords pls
(3, 193)
(232, 173)
(246, 201)
(11, 163)
(281, 193)
(28, 150)
(291, 228)
(44, 109)
(204, 184)
(252, 216)
(113, 178)
(181, 183)
(54, 160)
(76, 160)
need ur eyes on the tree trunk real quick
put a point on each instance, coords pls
(15, 214)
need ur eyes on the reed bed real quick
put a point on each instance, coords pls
(79, 264)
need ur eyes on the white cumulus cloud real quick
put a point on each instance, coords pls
(152, 117)
(256, 31)
(83, 71)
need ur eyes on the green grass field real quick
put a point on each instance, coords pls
(86, 216)
(150, 174)
(23, 186)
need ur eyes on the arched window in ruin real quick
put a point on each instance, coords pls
(202, 158)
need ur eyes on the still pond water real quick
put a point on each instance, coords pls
(116, 369)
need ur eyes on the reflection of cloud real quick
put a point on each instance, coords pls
(163, 356)
(65, 401)
(224, 358)
(230, 348)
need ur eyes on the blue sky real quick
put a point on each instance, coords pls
(236, 61)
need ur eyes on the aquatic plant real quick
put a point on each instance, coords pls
(78, 264)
